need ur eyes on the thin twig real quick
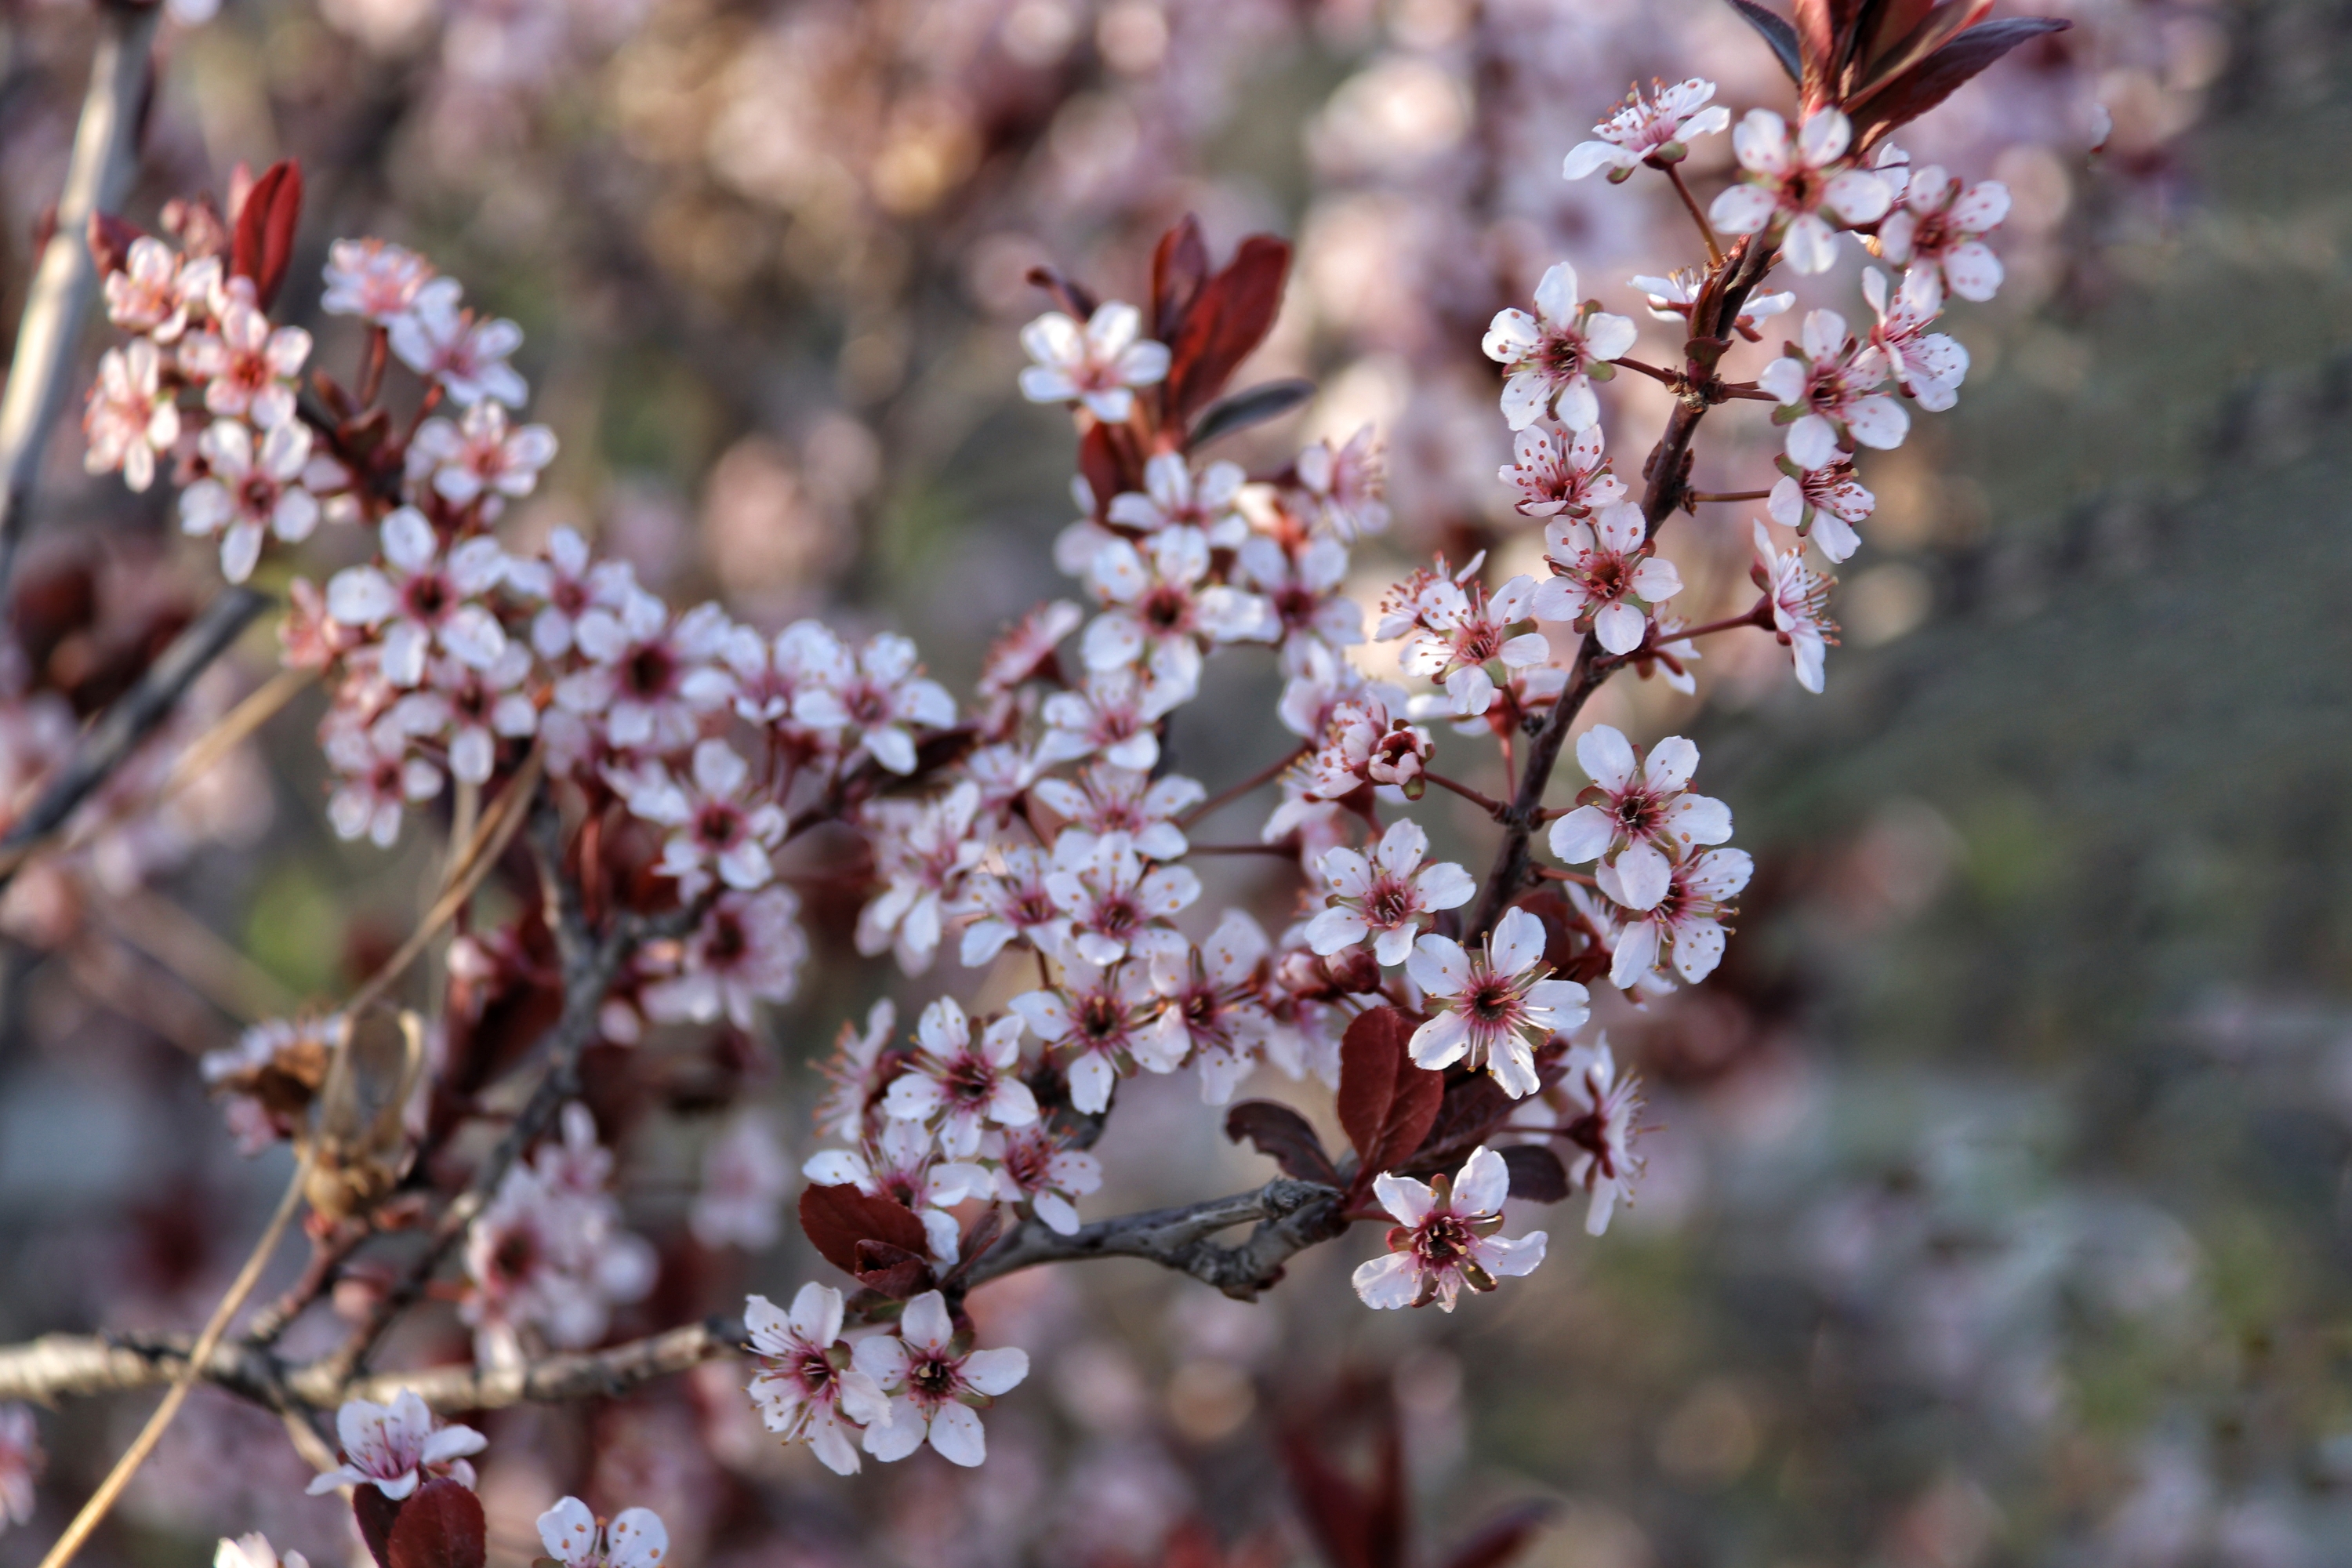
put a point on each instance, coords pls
(257, 709)
(1265, 775)
(1479, 798)
(105, 746)
(68, 277)
(1690, 204)
(1696, 496)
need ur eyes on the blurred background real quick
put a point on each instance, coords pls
(1999, 1182)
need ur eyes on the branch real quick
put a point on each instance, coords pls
(1291, 1217)
(133, 717)
(68, 276)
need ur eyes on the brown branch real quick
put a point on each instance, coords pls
(68, 276)
(1289, 1215)
(1265, 775)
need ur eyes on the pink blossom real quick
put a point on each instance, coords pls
(1007, 900)
(719, 820)
(1026, 649)
(937, 1389)
(443, 341)
(469, 710)
(1491, 1006)
(923, 852)
(1828, 394)
(1361, 745)
(1650, 130)
(245, 493)
(1105, 798)
(1556, 476)
(1034, 1166)
(1301, 582)
(153, 294)
(1113, 902)
(1636, 818)
(372, 278)
(1937, 232)
(393, 1447)
(1346, 484)
(1670, 298)
(1684, 927)
(636, 1537)
(480, 457)
(420, 599)
(1445, 1237)
(1158, 606)
(1114, 713)
(962, 1085)
(1390, 897)
(1795, 185)
(1102, 1018)
(1799, 598)
(1822, 504)
(1929, 365)
(21, 1462)
(1098, 364)
(749, 948)
(1604, 1163)
(1453, 628)
(898, 1163)
(1601, 566)
(375, 780)
(1553, 357)
(252, 1551)
(745, 1178)
(1172, 497)
(857, 1072)
(1212, 1013)
(568, 583)
(547, 1255)
(130, 421)
(886, 698)
(650, 677)
(807, 1390)
(247, 367)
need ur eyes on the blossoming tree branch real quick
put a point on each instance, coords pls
(643, 776)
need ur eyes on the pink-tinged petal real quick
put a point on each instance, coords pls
(1607, 336)
(1060, 1217)
(1742, 209)
(1409, 1201)
(1509, 336)
(1394, 946)
(1439, 966)
(636, 1539)
(408, 540)
(816, 1314)
(1012, 1105)
(567, 1531)
(1526, 397)
(1983, 207)
(1697, 949)
(1973, 271)
(1857, 197)
(1442, 1041)
(836, 1168)
(1576, 407)
(1471, 690)
(1786, 505)
(1670, 765)
(1784, 378)
(1564, 1001)
(1526, 650)
(1583, 834)
(1836, 537)
(1588, 157)
(1511, 1257)
(1336, 930)
(1557, 293)
(1482, 1184)
(1809, 652)
(1559, 599)
(1824, 138)
(1722, 873)
(1637, 954)
(1402, 847)
(914, 1097)
(925, 1322)
(1643, 877)
(1699, 819)
(1619, 627)
(1144, 363)
(1760, 141)
(1809, 245)
(1517, 942)
(1444, 885)
(1387, 1282)
(996, 1372)
(1607, 759)
(1878, 421)
(1091, 1077)
(1656, 580)
(901, 1435)
(1812, 443)
(240, 551)
(1054, 338)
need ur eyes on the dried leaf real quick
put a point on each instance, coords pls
(440, 1526)
(1255, 406)
(836, 1219)
(1179, 265)
(1282, 1135)
(1777, 33)
(1233, 313)
(1386, 1103)
(1537, 1175)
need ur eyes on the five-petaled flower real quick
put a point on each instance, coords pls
(393, 1447)
(1599, 565)
(962, 1083)
(1492, 1006)
(1601, 1131)
(1936, 233)
(481, 458)
(1650, 130)
(1828, 396)
(247, 365)
(1212, 1013)
(1637, 817)
(1099, 364)
(1553, 357)
(719, 819)
(1452, 628)
(246, 493)
(1800, 601)
(1100, 1016)
(1684, 927)
(130, 420)
(1794, 186)
(1555, 476)
(807, 1389)
(1445, 1237)
(1389, 898)
(1823, 504)
(421, 598)
(937, 1389)
(634, 1538)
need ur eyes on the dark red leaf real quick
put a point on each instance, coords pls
(838, 1218)
(440, 1526)
(1106, 474)
(1501, 1539)
(895, 1271)
(1235, 312)
(1536, 1174)
(1470, 1111)
(1386, 1103)
(1777, 33)
(375, 1514)
(1179, 265)
(1928, 28)
(1282, 1135)
(1816, 42)
(1069, 293)
(264, 244)
(1338, 1513)
(1944, 72)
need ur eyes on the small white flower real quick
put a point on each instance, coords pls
(962, 1085)
(1794, 186)
(1602, 1132)
(1822, 504)
(1034, 1167)
(936, 1390)
(745, 1177)
(481, 458)
(1553, 357)
(438, 339)
(1636, 818)
(246, 494)
(130, 421)
(1652, 130)
(1113, 902)
(635, 1538)
(1387, 898)
(1799, 598)
(1493, 1004)
(1347, 485)
(420, 599)
(1173, 497)
(1936, 231)
(1828, 392)
(1102, 1018)
(1684, 927)
(372, 278)
(1115, 713)
(720, 820)
(1600, 566)
(1098, 364)
(807, 1391)
(247, 367)
(1445, 1237)
(394, 1446)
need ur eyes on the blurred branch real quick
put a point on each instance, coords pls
(68, 276)
(105, 746)
(1290, 1215)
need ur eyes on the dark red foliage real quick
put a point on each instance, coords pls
(263, 245)
(1228, 318)
(838, 1218)
(440, 1526)
(1386, 1104)
(1282, 1135)
(1887, 62)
